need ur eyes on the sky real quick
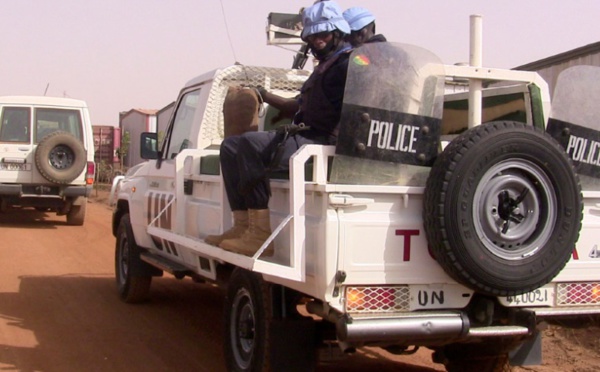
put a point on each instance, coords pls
(123, 54)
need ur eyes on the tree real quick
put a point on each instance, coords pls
(122, 151)
(161, 137)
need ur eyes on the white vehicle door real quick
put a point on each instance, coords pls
(16, 148)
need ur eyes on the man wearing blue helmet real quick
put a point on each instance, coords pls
(362, 26)
(247, 159)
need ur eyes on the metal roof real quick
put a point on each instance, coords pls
(561, 57)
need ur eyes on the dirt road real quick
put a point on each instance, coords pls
(59, 309)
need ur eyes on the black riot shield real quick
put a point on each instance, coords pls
(575, 121)
(391, 116)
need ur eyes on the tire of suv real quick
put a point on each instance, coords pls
(503, 208)
(60, 157)
(76, 215)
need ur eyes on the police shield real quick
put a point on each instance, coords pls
(574, 120)
(391, 115)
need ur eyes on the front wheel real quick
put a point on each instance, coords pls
(133, 286)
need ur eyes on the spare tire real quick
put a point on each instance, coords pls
(60, 157)
(503, 208)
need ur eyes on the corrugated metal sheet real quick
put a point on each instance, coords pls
(549, 68)
(550, 73)
(106, 140)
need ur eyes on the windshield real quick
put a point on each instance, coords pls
(390, 126)
(180, 131)
(574, 121)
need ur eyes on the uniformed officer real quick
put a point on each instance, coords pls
(247, 159)
(362, 26)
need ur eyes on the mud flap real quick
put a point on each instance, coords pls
(293, 345)
(139, 267)
(529, 353)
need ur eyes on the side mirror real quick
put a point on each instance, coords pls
(148, 145)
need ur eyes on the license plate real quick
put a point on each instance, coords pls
(13, 166)
(540, 297)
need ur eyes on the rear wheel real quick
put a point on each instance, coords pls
(133, 285)
(247, 320)
(263, 329)
(76, 215)
(488, 357)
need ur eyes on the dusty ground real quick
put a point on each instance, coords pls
(59, 311)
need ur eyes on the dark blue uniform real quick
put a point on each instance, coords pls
(245, 159)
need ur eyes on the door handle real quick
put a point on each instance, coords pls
(343, 200)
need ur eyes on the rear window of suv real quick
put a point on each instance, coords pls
(14, 125)
(48, 120)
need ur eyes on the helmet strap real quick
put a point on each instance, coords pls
(330, 47)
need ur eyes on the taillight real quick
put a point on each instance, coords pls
(371, 299)
(91, 171)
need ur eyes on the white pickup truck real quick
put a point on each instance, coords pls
(416, 230)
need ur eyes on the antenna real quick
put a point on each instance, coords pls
(228, 34)
(47, 86)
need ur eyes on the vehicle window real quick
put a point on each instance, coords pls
(49, 120)
(14, 125)
(179, 132)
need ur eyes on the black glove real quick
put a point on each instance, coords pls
(261, 92)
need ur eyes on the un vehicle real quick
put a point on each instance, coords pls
(46, 155)
(458, 212)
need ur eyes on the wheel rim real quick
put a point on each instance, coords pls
(242, 329)
(123, 260)
(514, 209)
(61, 157)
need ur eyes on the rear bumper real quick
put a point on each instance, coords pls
(37, 191)
(78, 190)
(422, 329)
(8, 189)
(413, 328)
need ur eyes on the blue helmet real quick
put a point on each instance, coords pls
(325, 16)
(358, 17)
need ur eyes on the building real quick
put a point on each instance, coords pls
(549, 68)
(133, 123)
(107, 139)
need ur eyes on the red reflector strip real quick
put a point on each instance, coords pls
(578, 293)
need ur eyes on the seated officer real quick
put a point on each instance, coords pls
(247, 159)
(362, 26)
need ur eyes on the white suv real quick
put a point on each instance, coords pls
(46, 155)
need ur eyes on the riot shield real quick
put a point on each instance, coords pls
(391, 116)
(575, 121)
